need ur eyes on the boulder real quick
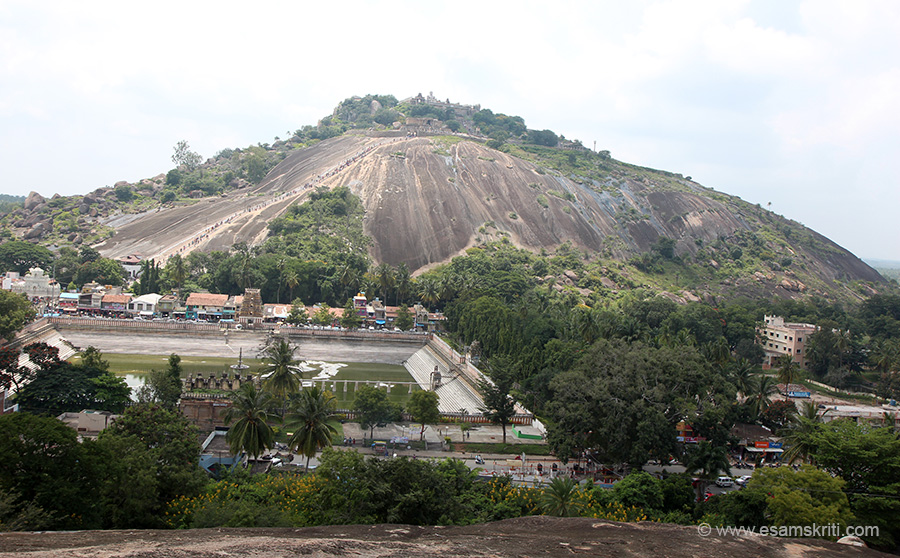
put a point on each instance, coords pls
(122, 183)
(34, 232)
(689, 296)
(571, 275)
(608, 283)
(673, 297)
(33, 200)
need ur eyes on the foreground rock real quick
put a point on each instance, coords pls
(529, 536)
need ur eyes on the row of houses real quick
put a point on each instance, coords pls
(95, 300)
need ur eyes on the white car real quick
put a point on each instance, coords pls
(724, 482)
(742, 480)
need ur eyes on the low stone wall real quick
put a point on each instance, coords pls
(143, 326)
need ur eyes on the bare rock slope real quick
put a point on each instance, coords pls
(428, 199)
(529, 536)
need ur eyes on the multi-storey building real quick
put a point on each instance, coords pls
(778, 337)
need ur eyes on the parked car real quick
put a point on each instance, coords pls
(724, 482)
(742, 480)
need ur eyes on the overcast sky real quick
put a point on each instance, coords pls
(793, 103)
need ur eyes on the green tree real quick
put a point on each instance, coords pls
(184, 156)
(788, 372)
(59, 387)
(623, 399)
(20, 256)
(308, 421)
(372, 407)
(761, 396)
(423, 406)
(93, 358)
(298, 314)
(867, 459)
(249, 412)
(322, 315)
(164, 448)
(404, 319)
(639, 489)
(163, 386)
(282, 373)
(800, 438)
(15, 311)
(560, 498)
(707, 461)
(46, 472)
(499, 406)
(349, 318)
(291, 280)
(177, 272)
(111, 392)
(806, 497)
(103, 270)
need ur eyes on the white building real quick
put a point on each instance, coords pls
(778, 337)
(144, 305)
(34, 285)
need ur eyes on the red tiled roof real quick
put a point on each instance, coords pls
(206, 299)
(114, 298)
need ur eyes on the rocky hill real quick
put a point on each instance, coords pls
(527, 536)
(430, 194)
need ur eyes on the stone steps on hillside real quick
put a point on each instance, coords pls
(454, 393)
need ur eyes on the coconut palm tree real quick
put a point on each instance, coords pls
(707, 460)
(308, 420)
(249, 412)
(799, 438)
(384, 274)
(428, 291)
(761, 394)
(283, 369)
(788, 372)
(291, 280)
(742, 374)
(177, 271)
(404, 282)
(560, 498)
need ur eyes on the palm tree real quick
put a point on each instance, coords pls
(291, 280)
(244, 271)
(742, 372)
(559, 498)
(428, 291)
(349, 278)
(384, 274)
(308, 420)
(404, 281)
(707, 460)
(178, 271)
(761, 394)
(284, 376)
(249, 411)
(800, 436)
(788, 372)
